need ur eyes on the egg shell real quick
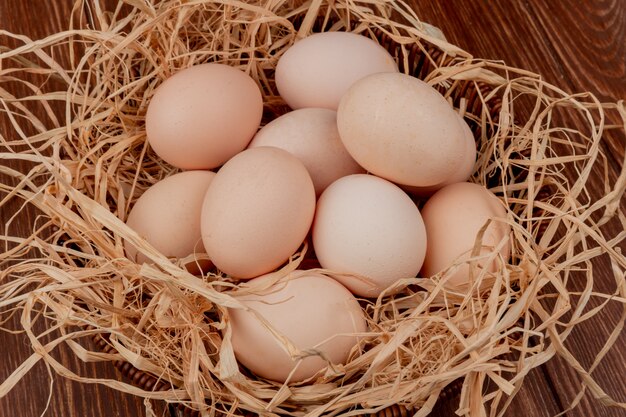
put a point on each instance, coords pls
(401, 129)
(368, 226)
(203, 115)
(257, 211)
(167, 215)
(311, 310)
(453, 217)
(317, 70)
(311, 135)
(459, 174)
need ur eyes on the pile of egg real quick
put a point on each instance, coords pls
(337, 170)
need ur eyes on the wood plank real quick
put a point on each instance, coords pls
(30, 397)
(574, 44)
(588, 42)
(578, 46)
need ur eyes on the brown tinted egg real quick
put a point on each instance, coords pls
(311, 135)
(203, 115)
(257, 211)
(317, 70)
(312, 311)
(460, 173)
(401, 129)
(453, 217)
(167, 215)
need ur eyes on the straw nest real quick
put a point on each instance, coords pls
(78, 127)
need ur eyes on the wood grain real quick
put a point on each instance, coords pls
(30, 397)
(578, 45)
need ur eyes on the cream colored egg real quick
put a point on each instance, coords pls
(401, 129)
(312, 311)
(453, 217)
(460, 173)
(317, 71)
(257, 211)
(311, 136)
(203, 115)
(167, 215)
(368, 226)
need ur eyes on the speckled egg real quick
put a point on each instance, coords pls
(401, 129)
(460, 173)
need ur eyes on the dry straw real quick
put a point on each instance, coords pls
(76, 101)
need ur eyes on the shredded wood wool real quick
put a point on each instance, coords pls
(79, 126)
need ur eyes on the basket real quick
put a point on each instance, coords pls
(152, 320)
(420, 65)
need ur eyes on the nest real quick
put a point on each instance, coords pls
(79, 127)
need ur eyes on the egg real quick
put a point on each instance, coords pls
(453, 217)
(203, 115)
(167, 215)
(311, 135)
(368, 226)
(312, 311)
(460, 173)
(401, 129)
(257, 211)
(316, 71)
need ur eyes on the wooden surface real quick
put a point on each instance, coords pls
(577, 45)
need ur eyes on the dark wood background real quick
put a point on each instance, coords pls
(577, 45)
